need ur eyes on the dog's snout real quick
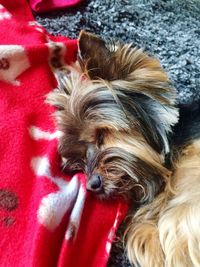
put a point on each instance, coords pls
(95, 183)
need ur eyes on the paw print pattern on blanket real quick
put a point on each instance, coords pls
(8, 203)
(57, 53)
(13, 62)
(112, 232)
(70, 196)
(4, 14)
(54, 221)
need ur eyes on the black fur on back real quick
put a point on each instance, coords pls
(188, 127)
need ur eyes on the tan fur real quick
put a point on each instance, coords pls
(115, 108)
(118, 135)
(166, 233)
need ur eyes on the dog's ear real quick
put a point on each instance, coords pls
(94, 56)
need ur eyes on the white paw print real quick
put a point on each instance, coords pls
(4, 14)
(69, 197)
(13, 62)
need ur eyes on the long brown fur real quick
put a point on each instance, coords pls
(118, 101)
(166, 233)
(115, 109)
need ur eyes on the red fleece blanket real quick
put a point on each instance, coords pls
(50, 5)
(47, 219)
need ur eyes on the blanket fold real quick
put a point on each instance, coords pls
(40, 6)
(47, 218)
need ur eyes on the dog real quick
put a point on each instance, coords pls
(166, 233)
(115, 110)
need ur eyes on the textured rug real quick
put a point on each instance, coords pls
(168, 29)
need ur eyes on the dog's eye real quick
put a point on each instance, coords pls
(72, 165)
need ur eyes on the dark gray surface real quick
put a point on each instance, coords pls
(169, 29)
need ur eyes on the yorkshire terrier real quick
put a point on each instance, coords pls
(166, 232)
(116, 110)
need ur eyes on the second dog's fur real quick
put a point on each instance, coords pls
(166, 233)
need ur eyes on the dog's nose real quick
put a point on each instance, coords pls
(95, 183)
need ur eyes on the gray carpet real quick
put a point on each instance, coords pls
(168, 29)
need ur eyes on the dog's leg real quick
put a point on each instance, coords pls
(179, 224)
(142, 236)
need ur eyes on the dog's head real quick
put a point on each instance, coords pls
(115, 109)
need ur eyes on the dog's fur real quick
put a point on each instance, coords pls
(116, 110)
(166, 233)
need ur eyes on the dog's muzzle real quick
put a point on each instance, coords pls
(95, 183)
